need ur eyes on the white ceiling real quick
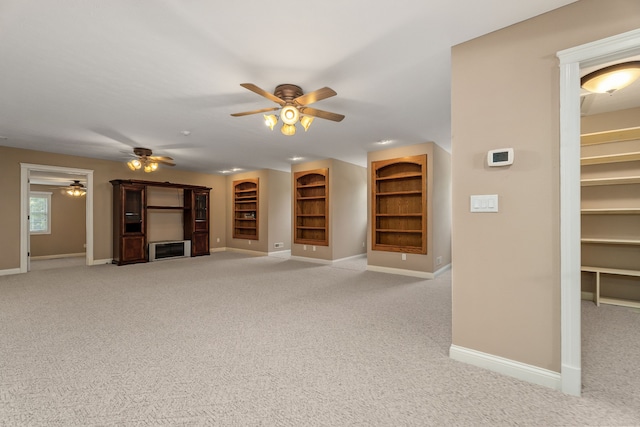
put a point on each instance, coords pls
(96, 78)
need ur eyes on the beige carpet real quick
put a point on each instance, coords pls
(232, 340)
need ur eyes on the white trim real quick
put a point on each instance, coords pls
(501, 365)
(279, 253)
(25, 169)
(349, 258)
(246, 251)
(571, 60)
(223, 249)
(401, 271)
(442, 270)
(10, 271)
(58, 256)
(102, 261)
(314, 260)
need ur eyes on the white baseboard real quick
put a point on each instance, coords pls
(571, 380)
(246, 252)
(442, 270)
(223, 249)
(521, 371)
(350, 258)
(102, 261)
(401, 271)
(284, 253)
(77, 255)
(9, 271)
(307, 259)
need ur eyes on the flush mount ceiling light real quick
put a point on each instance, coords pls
(612, 78)
(293, 107)
(146, 161)
(75, 189)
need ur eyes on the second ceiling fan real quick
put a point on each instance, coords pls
(293, 106)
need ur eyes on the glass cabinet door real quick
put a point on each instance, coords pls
(133, 215)
(201, 207)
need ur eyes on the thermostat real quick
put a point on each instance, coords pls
(500, 157)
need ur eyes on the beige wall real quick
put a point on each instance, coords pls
(347, 210)
(438, 211)
(279, 208)
(274, 213)
(505, 93)
(68, 225)
(104, 171)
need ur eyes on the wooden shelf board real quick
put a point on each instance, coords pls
(620, 302)
(302, 227)
(399, 193)
(245, 201)
(389, 230)
(610, 181)
(605, 270)
(611, 241)
(315, 185)
(400, 215)
(312, 198)
(610, 158)
(611, 211)
(610, 136)
(173, 208)
(311, 215)
(396, 177)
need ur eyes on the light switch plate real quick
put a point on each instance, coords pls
(484, 203)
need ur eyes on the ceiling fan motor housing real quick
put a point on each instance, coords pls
(288, 92)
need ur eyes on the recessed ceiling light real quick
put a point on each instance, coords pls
(224, 171)
(236, 169)
(296, 158)
(385, 142)
(185, 132)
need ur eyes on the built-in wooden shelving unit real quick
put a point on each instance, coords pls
(245, 209)
(399, 205)
(311, 207)
(623, 238)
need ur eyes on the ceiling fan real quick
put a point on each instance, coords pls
(146, 161)
(75, 189)
(293, 106)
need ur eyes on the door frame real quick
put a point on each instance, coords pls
(25, 169)
(571, 61)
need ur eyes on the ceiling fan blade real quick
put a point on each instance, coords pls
(262, 110)
(322, 114)
(262, 92)
(315, 96)
(164, 160)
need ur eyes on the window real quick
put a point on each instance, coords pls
(40, 212)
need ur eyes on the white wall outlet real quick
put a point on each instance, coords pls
(313, 248)
(278, 245)
(249, 241)
(304, 247)
(438, 260)
(218, 240)
(404, 257)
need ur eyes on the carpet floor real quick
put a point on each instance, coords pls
(233, 340)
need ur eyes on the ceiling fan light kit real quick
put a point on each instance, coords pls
(76, 189)
(612, 78)
(146, 161)
(293, 107)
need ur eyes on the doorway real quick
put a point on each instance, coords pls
(26, 172)
(571, 62)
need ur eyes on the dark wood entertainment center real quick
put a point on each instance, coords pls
(130, 237)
